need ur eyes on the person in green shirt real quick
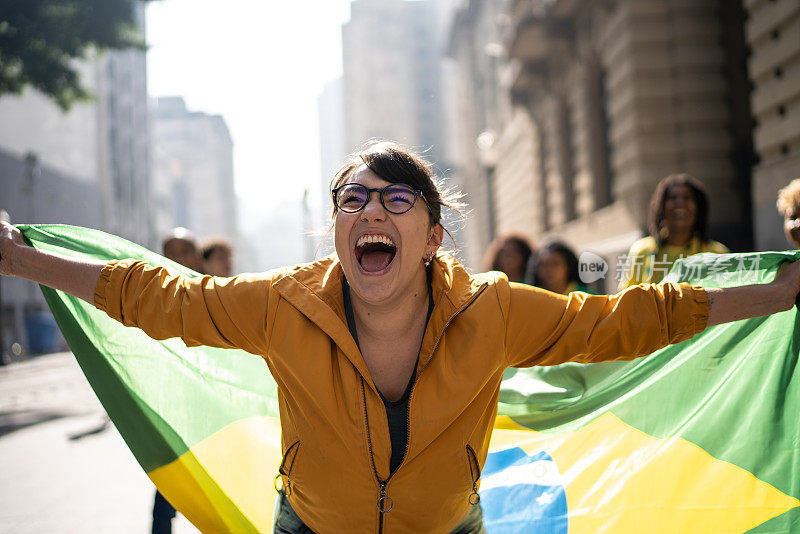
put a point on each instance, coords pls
(678, 224)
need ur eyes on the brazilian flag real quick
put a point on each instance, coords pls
(700, 437)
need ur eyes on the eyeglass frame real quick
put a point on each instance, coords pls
(418, 193)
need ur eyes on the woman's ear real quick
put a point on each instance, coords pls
(436, 236)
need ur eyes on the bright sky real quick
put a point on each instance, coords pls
(261, 64)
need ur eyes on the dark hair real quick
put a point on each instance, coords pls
(397, 164)
(179, 233)
(656, 215)
(213, 245)
(518, 240)
(561, 248)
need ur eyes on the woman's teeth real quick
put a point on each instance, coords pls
(364, 239)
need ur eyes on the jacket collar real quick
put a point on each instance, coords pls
(315, 289)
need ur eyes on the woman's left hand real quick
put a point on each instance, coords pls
(757, 300)
(787, 284)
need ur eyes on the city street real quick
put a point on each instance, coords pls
(63, 467)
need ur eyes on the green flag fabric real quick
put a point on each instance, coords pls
(703, 436)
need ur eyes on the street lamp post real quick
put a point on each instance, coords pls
(4, 359)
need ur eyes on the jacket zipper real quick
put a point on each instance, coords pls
(383, 499)
(416, 377)
(475, 474)
(288, 472)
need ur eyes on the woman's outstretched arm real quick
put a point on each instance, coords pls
(218, 312)
(75, 277)
(744, 302)
(547, 329)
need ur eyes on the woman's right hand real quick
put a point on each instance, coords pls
(77, 277)
(10, 239)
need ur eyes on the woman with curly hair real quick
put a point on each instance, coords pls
(678, 224)
(789, 207)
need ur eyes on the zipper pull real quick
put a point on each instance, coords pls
(474, 497)
(384, 501)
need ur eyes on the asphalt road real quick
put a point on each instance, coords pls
(63, 466)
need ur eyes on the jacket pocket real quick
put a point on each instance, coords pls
(287, 464)
(474, 474)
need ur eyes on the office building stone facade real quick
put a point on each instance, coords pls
(592, 103)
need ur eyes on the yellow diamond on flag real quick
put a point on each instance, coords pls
(620, 480)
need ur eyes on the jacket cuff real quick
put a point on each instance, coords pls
(107, 292)
(700, 313)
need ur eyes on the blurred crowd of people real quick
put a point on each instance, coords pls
(677, 227)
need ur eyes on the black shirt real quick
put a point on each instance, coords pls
(396, 411)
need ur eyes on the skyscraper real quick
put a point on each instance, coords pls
(392, 52)
(193, 171)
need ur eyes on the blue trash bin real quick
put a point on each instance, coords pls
(41, 330)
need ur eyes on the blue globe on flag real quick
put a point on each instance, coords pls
(523, 493)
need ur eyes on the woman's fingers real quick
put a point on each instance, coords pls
(788, 277)
(10, 237)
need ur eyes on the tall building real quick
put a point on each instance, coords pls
(88, 167)
(392, 60)
(330, 110)
(597, 101)
(483, 107)
(103, 142)
(773, 37)
(192, 171)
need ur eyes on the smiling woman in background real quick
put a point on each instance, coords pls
(678, 224)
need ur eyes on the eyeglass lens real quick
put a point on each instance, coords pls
(396, 199)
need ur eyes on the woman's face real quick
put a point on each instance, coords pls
(184, 252)
(791, 225)
(219, 263)
(680, 208)
(381, 252)
(511, 261)
(553, 272)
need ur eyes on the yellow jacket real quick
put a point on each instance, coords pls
(335, 434)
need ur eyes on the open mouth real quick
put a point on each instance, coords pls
(375, 252)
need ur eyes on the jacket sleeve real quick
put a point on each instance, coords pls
(219, 312)
(544, 328)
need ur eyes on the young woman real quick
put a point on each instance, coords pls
(509, 254)
(678, 224)
(555, 268)
(388, 356)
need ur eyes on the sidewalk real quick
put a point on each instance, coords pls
(51, 483)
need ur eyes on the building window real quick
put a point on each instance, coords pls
(601, 150)
(566, 163)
